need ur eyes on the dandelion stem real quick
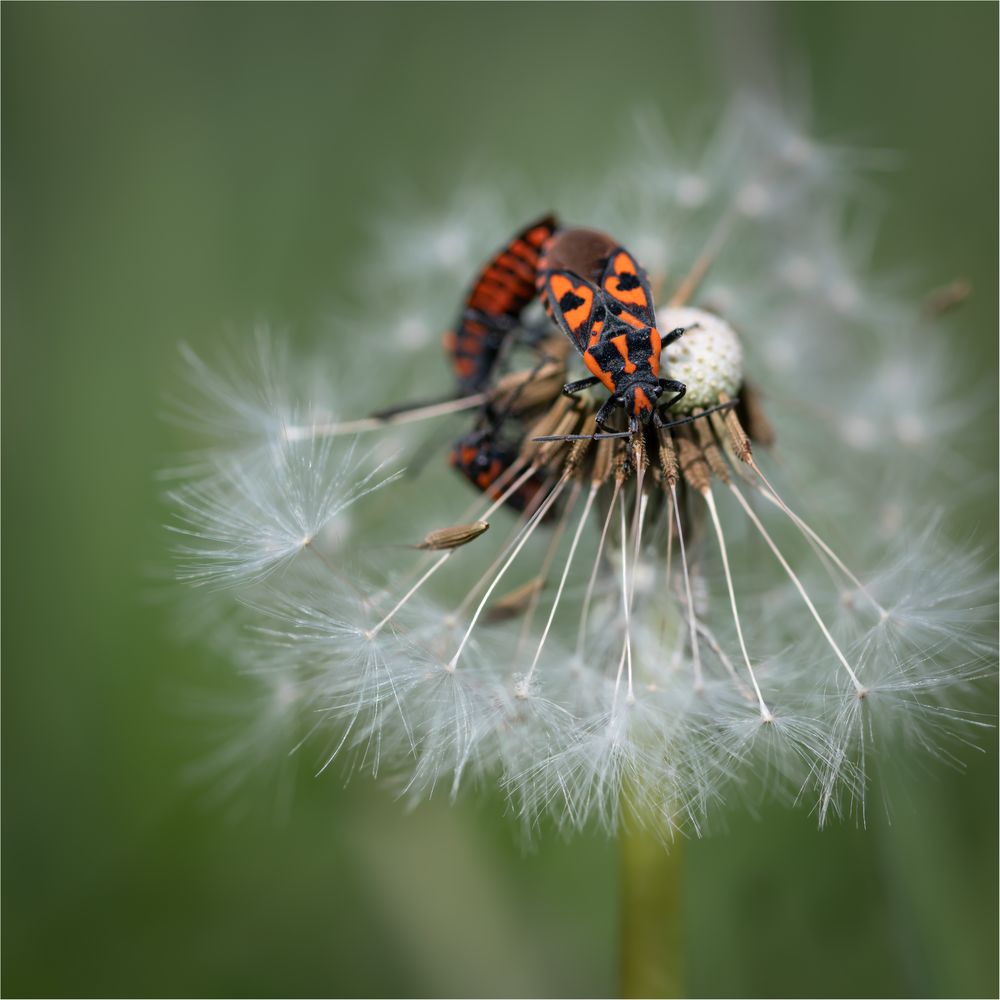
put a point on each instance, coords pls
(649, 915)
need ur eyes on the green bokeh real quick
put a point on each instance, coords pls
(174, 171)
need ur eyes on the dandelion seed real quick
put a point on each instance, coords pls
(247, 519)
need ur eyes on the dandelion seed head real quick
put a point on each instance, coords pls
(654, 626)
(708, 358)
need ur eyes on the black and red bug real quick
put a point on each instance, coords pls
(485, 460)
(608, 314)
(493, 307)
(488, 456)
(600, 297)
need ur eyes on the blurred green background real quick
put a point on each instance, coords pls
(174, 171)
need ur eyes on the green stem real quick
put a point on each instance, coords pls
(650, 928)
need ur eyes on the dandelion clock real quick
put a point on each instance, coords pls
(644, 540)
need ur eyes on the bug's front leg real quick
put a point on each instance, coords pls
(672, 385)
(604, 413)
(581, 383)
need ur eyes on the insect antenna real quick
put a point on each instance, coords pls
(584, 437)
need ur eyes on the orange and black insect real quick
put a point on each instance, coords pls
(487, 456)
(607, 312)
(483, 458)
(505, 286)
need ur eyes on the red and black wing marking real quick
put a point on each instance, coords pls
(497, 297)
(576, 305)
(507, 283)
(624, 281)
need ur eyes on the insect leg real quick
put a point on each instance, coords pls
(581, 383)
(604, 413)
(662, 424)
(676, 335)
(674, 386)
